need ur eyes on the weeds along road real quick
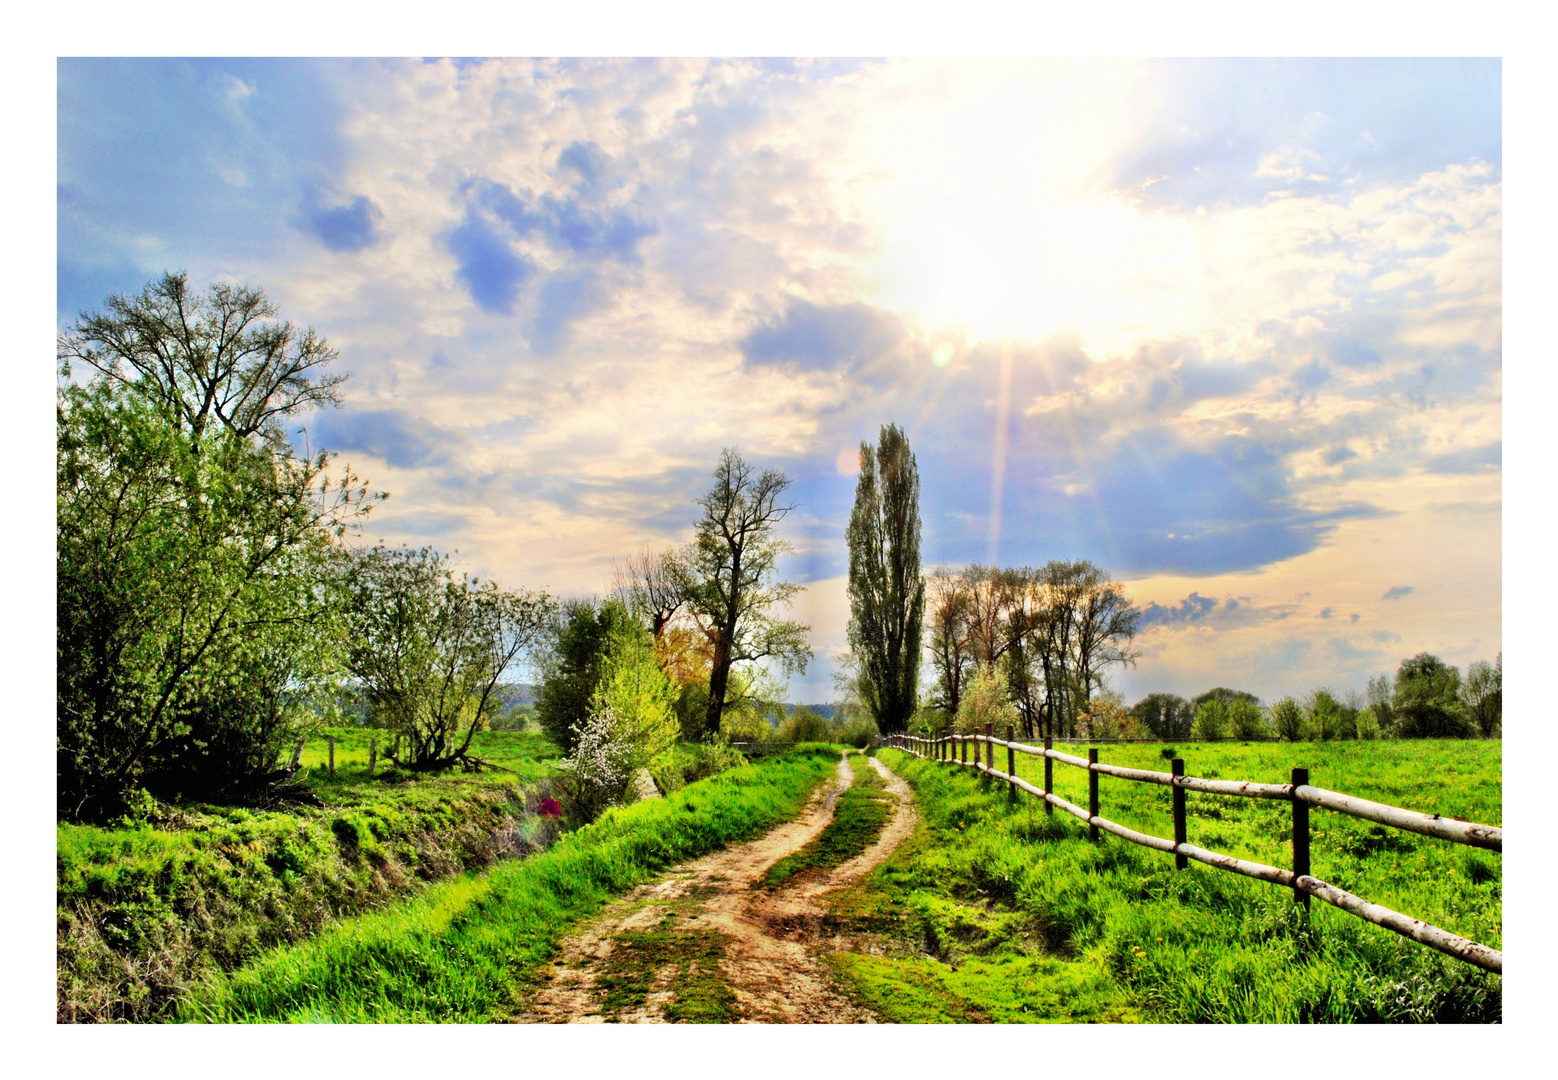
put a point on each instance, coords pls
(709, 943)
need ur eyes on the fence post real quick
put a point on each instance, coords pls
(373, 753)
(1300, 838)
(1011, 767)
(1092, 794)
(1180, 861)
(332, 757)
(989, 754)
(1049, 776)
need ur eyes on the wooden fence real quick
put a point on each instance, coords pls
(958, 749)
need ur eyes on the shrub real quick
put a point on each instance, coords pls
(859, 732)
(804, 725)
(1368, 725)
(985, 703)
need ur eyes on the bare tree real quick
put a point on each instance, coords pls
(218, 354)
(733, 584)
(950, 644)
(653, 585)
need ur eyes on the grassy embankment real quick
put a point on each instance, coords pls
(147, 909)
(464, 950)
(995, 910)
(857, 821)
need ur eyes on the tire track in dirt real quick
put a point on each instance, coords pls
(769, 970)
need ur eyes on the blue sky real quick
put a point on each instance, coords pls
(1231, 329)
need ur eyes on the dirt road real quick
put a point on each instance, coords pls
(708, 943)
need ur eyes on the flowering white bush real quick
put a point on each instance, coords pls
(602, 766)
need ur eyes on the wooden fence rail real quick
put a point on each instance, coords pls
(978, 752)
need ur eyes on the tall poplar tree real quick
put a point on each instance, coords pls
(886, 590)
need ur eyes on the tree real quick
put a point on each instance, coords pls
(1287, 720)
(1379, 692)
(430, 648)
(1245, 720)
(652, 586)
(571, 670)
(1484, 695)
(1168, 716)
(733, 582)
(886, 590)
(206, 356)
(1211, 720)
(193, 606)
(1427, 702)
(985, 704)
(949, 639)
(1327, 718)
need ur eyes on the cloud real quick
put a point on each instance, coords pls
(488, 267)
(1396, 592)
(349, 226)
(1474, 460)
(395, 436)
(810, 336)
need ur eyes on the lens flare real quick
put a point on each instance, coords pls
(941, 356)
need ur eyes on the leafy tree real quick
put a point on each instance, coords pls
(431, 647)
(1427, 701)
(1379, 693)
(804, 725)
(1211, 720)
(986, 703)
(639, 695)
(1368, 724)
(1224, 695)
(1287, 720)
(886, 591)
(1245, 720)
(1327, 719)
(1168, 716)
(193, 607)
(572, 668)
(1483, 695)
(733, 585)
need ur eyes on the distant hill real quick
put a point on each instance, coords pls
(827, 712)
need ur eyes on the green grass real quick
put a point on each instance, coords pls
(995, 910)
(857, 821)
(147, 909)
(686, 960)
(466, 950)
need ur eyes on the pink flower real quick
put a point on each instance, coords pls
(550, 808)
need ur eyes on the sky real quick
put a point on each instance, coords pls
(1230, 329)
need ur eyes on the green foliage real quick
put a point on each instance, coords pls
(1245, 720)
(859, 732)
(1328, 719)
(1211, 720)
(429, 647)
(1368, 725)
(163, 899)
(464, 950)
(574, 668)
(1287, 720)
(732, 583)
(195, 618)
(1168, 716)
(985, 703)
(857, 821)
(886, 591)
(1484, 696)
(688, 762)
(1427, 700)
(995, 910)
(803, 725)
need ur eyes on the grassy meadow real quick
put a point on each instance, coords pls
(995, 910)
(149, 907)
(464, 950)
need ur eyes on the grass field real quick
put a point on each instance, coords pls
(463, 950)
(995, 910)
(146, 909)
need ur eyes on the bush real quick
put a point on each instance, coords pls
(985, 703)
(803, 725)
(859, 732)
(1368, 725)
(574, 670)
